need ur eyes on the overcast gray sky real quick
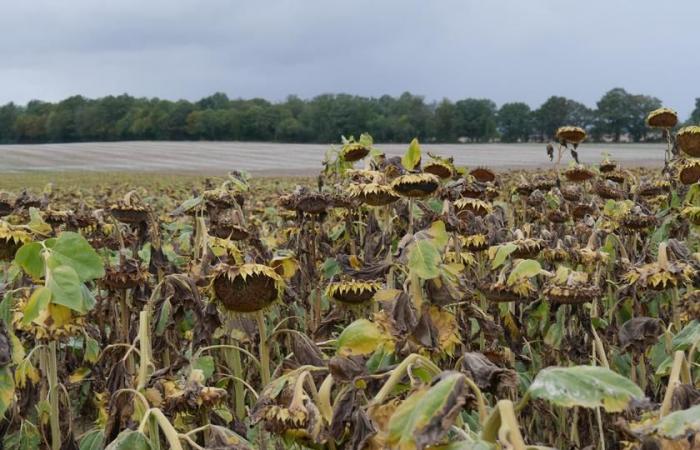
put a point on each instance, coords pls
(505, 50)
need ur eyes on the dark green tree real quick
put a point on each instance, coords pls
(515, 122)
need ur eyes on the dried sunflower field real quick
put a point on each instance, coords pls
(390, 303)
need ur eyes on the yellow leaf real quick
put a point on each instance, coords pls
(79, 375)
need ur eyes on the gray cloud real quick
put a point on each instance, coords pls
(501, 49)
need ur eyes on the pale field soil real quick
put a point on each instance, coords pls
(275, 159)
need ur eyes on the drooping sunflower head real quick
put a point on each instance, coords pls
(653, 188)
(616, 176)
(579, 173)
(354, 151)
(127, 275)
(660, 274)
(415, 184)
(692, 213)
(352, 291)
(11, 239)
(570, 135)
(130, 209)
(662, 118)
(500, 292)
(287, 409)
(608, 190)
(571, 192)
(475, 206)
(607, 165)
(223, 198)
(571, 287)
(303, 200)
(688, 171)
(483, 174)
(688, 140)
(372, 194)
(637, 219)
(246, 288)
(228, 224)
(439, 168)
(476, 242)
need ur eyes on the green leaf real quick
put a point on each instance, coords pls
(586, 386)
(331, 268)
(412, 156)
(426, 415)
(164, 317)
(37, 224)
(361, 337)
(73, 250)
(689, 335)
(6, 308)
(93, 440)
(7, 389)
(205, 364)
(424, 259)
(502, 252)
(439, 234)
(30, 260)
(38, 301)
(26, 438)
(680, 423)
(188, 205)
(92, 350)
(129, 440)
(526, 268)
(66, 289)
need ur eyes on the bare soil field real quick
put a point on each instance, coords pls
(275, 159)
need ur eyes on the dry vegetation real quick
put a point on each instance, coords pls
(392, 302)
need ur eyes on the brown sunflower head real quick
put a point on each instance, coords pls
(607, 165)
(570, 135)
(11, 239)
(305, 201)
(127, 275)
(477, 207)
(579, 173)
(688, 171)
(608, 190)
(130, 209)
(483, 174)
(688, 140)
(653, 188)
(571, 287)
(439, 168)
(227, 225)
(571, 192)
(246, 288)
(352, 291)
(616, 176)
(372, 194)
(415, 184)
(354, 151)
(662, 118)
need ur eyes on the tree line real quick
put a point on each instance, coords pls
(617, 115)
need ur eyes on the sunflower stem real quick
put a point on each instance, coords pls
(264, 351)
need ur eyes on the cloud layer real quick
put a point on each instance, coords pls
(500, 49)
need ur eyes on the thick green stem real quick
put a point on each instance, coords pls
(52, 375)
(398, 373)
(145, 347)
(233, 360)
(264, 351)
(503, 426)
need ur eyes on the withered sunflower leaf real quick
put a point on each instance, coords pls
(679, 423)
(427, 414)
(585, 386)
